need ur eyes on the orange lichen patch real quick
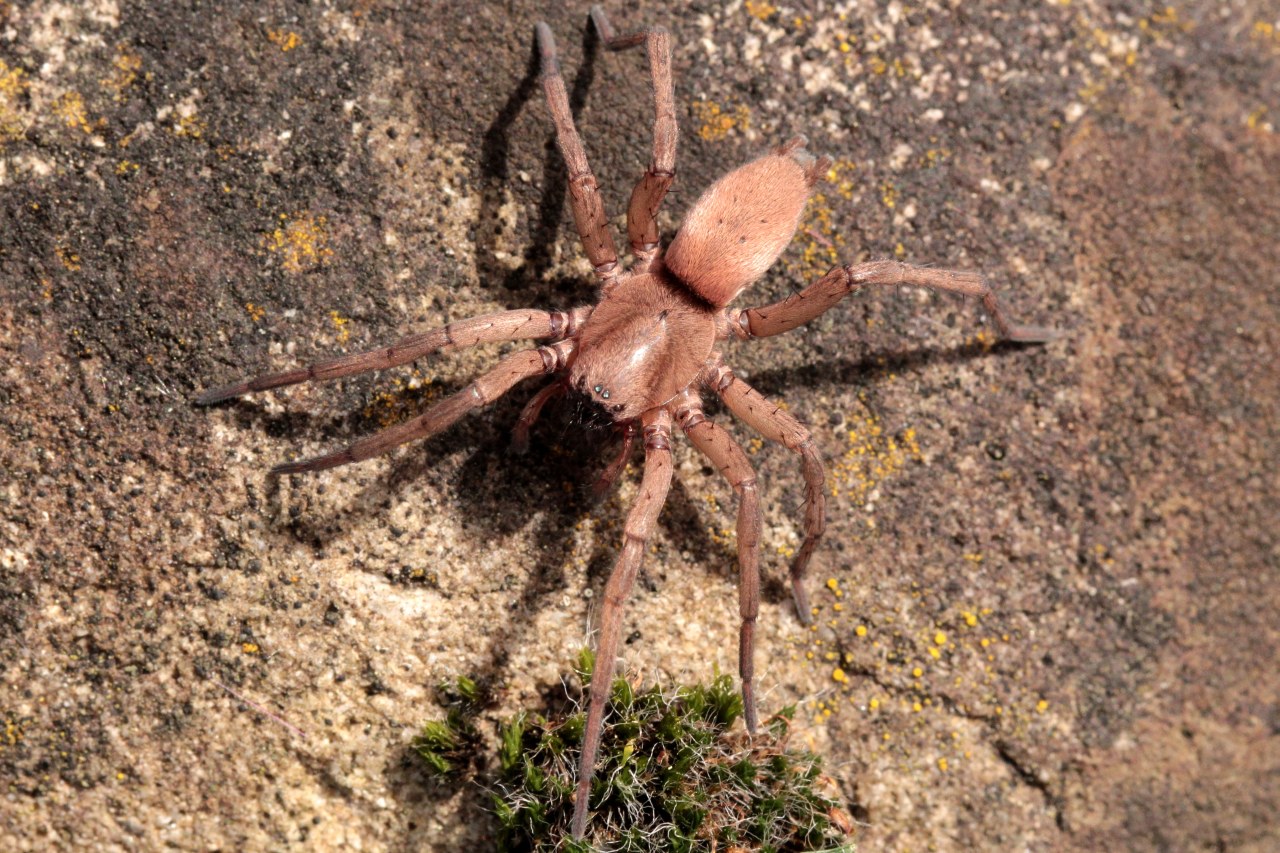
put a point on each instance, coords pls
(70, 108)
(126, 167)
(301, 241)
(287, 40)
(1266, 32)
(250, 648)
(715, 123)
(934, 157)
(871, 458)
(1168, 17)
(761, 10)
(12, 734)
(68, 258)
(13, 83)
(255, 312)
(1254, 121)
(401, 398)
(126, 68)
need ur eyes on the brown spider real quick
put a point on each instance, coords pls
(648, 348)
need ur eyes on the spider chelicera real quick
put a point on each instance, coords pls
(649, 348)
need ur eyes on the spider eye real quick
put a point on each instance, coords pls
(596, 389)
(604, 394)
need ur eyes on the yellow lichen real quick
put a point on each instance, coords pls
(190, 126)
(889, 195)
(68, 258)
(715, 123)
(285, 39)
(70, 108)
(340, 323)
(301, 241)
(255, 312)
(870, 459)
(13, 83)
(761, 10)
(126, 68)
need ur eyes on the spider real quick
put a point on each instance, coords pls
(650, 347)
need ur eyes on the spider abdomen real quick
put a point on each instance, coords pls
(740, 225)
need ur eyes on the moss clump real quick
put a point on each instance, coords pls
(449, 745)
(670, 776)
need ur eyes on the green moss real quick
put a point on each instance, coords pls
(672, 774)
(448, 745)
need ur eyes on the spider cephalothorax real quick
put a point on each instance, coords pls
(649, 347)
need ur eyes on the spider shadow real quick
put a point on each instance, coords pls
(495, 159)
(861, 371)
(864, 369)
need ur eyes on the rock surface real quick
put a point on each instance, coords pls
(1048, 590)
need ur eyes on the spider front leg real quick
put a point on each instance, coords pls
(718, 446)
(482, 392)
(646, 198)
(584, 193)
(776, 425)
(800, 308)
(504, 326)
(640, 523)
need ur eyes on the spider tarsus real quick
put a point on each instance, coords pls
(803, 611)
(749, 714)
(519, 443)
(221, 395)
(1031, 334)
(302, 466)
(262, 383)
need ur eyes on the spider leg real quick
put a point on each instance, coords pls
(584, 193)
(776, 425)
(800, 308)
(529, 415)
(610, 475)
(646, 198)
(640, 523)
(504, 326)
(718, 446)
(481, 392)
